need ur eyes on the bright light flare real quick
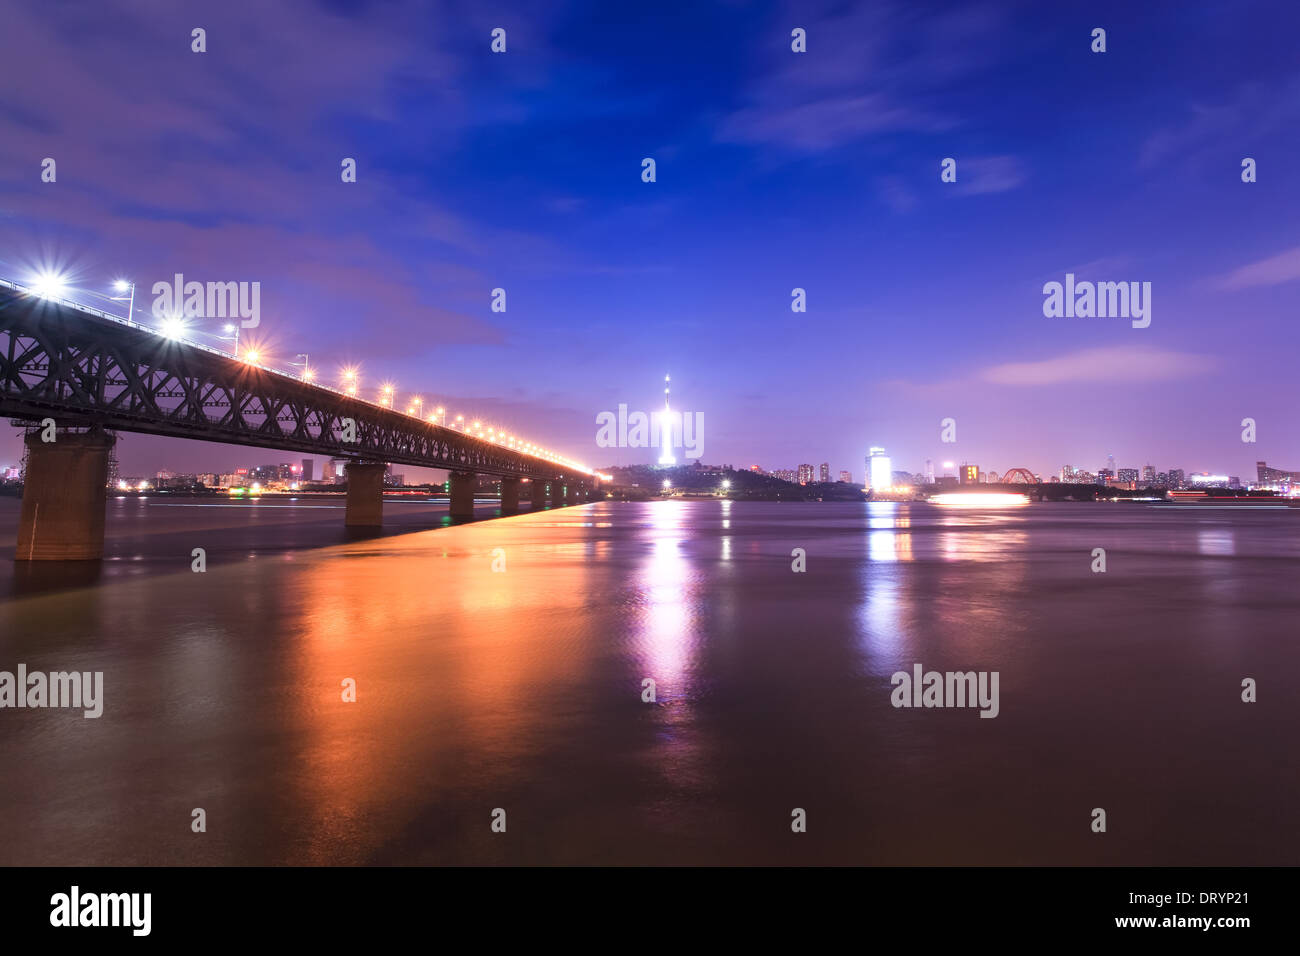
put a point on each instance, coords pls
(50, 285)
(173, 328)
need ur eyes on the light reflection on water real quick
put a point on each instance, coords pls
(522, 688)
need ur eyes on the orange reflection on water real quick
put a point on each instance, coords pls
(445, 653)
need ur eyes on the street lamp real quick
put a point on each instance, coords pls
(305, 365)
(121, 286)
(232, 331)
(49, 285)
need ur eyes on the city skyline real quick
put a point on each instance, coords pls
(760, 190)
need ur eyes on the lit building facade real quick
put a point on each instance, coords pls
(879, 470)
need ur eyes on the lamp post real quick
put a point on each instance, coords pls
(120, 286)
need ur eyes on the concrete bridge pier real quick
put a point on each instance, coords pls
(538, 487)
(510, 496)
(557, 493)
(64, 497)
(365, 494)
(462, 493)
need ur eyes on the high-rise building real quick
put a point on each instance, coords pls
(1127, 475)
(846, 477)
(929, 472)
(1105, 476)
(308, 468)
(805, 474)
(1177, 479)
(1110, 464)
(879, 470)
(824, 471)
(327, 472)
(1271, 476)
(1148, 476)
(970, 474)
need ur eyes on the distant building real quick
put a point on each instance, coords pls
(846, 477)
(1105, 476)
(1274, 476)
(785, 474)
(879, 470)
(970, 474)
(1148, 476)
(990, 476)
(824, 472)
(272, 474)
(805, 474)
(929, 472)
(1177, 480)
(756, 470)
(1127, 475)
(308, 469)
(1206, 480)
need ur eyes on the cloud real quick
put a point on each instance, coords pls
(870, 69)
(1100, 366)
(1249, 113)
(1283, 267)
(988, 174)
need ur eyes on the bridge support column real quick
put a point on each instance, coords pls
(510, 496)
(365, 494)
(64, 495)
(462, 493)
(557, 492)
(538, 487)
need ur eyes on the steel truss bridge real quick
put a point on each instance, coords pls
(82, 367)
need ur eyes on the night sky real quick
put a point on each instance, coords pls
(775, 170)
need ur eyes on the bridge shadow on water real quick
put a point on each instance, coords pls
(158, 535)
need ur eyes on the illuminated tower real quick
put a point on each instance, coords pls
(879, 474)
(666, 436)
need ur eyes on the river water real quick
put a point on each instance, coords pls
(500, 665)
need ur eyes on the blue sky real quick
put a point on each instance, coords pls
(775, 170)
